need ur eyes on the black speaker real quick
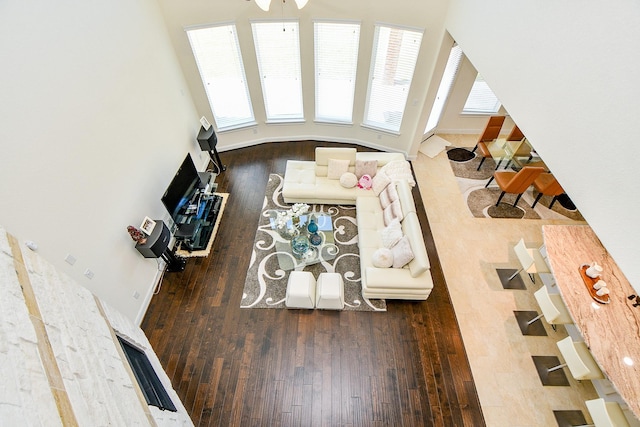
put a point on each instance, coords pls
(157, 242)
(207, 139)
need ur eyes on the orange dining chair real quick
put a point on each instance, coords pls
(547, 185)
(515, 182)
(491, 131)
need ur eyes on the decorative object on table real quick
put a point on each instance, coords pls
(299, 209)
(315, 239)
(300, 246)
(599, 284)
(590, 282)
(312, 227)
(136, 235)
(147, 225)
(594, 271)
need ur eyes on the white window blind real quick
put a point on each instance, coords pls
(336, 60)
(394, 56)
(278, 53)
(481, 99)
(449, 75)
(217, 54)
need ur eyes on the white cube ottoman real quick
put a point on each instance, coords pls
(330, 291)
(301, 290)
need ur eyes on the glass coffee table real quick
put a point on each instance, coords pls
(294, 248)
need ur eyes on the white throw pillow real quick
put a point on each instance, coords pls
(383, 258)
(391, 234)
(380, 182)
(391, 212)
(348, 180)
(337, 167)
(388, 196)
(366, 167)
(402, 253)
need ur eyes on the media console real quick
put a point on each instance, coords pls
(196, 220)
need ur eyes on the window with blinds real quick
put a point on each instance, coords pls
(336, 60)
(481, 99)
(217, 54)
(394, 56)
(449, 75)
(278, 52)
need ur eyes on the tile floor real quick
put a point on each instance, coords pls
(470, 249)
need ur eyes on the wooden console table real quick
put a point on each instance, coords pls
(611, 331)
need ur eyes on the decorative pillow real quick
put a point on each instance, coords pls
(383, 258)
(391, 212)
(380, 182)
(337, 167)
(399, 169)
(391, 234)
(348, 180)
(402, 253)
(388, 195)
(365, 182)
(366, 167)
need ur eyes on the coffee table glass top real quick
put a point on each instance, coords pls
(326, 250)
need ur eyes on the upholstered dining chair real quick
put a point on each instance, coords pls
(547, 185)
(515, 182)
(491, 131)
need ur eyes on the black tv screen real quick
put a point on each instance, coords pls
(182, 186)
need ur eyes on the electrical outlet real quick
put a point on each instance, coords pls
(88, 273)
(70, 259)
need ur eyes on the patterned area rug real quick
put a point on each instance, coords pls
(266, 282)
(481, 201)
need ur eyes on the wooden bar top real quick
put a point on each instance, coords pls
(611, 331)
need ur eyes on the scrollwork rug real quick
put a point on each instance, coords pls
(266, 283)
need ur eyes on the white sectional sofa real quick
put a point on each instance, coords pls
(310, 182)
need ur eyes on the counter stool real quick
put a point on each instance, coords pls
(330, 291)
(553, 310)
(606, 414)
(578, 359)
(301, 290)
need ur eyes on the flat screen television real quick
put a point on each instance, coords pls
(182, 187)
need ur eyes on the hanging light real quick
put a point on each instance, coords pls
(264, 4)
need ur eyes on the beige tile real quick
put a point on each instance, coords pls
(470, 249)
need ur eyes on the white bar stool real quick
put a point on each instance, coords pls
(606, 414)
(531, 261)
(301, 290)
(330, 291)
(578, 359)
(553, 309)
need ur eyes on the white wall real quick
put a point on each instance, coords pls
(566, 72)
(96, 118)
(427, 15)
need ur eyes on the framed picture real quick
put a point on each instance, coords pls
(148, 225)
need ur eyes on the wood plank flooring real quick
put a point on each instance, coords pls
(270, 367)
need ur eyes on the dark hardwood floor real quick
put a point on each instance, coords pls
(269, 367)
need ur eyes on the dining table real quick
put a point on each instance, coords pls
(610, 327)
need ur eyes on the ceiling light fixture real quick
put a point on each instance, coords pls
(264, 4)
